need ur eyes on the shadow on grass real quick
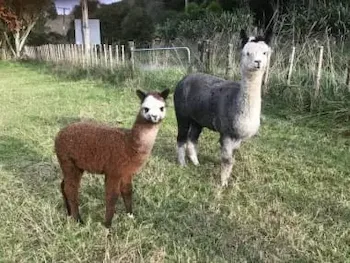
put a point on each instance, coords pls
(211, 236)
(19, 157)
(42, 176)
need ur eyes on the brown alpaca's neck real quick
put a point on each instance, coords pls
(143, 135)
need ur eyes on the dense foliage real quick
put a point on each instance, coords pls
(301, 18)
(142, 21)
(197, 25)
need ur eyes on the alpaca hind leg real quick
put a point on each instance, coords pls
(183, 125)
(126, 192)
(193, 135)
(112, 193)
(70, 189)
(228, 145)
(65, 198)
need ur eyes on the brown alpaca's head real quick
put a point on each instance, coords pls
(153, 105)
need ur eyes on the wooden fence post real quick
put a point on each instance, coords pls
(105, 54)
(318, 78)
(348, 76)
(208, 65)
(83, 55)
(110, 57)
(201, 49)
(123, 53)
(97, 61)
(229, 61)
(291, 66)
(267, 72)
(132, 58)
(117, 54)
(166, 56)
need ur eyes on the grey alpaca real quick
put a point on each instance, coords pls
(230, 108)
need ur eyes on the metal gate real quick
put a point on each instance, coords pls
(161, 57)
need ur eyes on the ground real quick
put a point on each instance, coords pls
(288, 201)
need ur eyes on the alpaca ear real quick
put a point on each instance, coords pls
(141, 94)
(165, 93)
(244, 37)
(268, 35)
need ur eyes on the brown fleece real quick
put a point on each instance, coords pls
(116, 152)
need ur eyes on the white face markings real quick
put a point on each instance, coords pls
(255, 55)
(153, 109)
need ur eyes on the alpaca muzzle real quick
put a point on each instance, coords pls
(257, 64)
(154, 118)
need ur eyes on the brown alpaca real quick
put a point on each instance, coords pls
(116, 152)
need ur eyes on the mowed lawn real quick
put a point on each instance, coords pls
(288, 201)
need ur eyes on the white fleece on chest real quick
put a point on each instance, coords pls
(248, 123)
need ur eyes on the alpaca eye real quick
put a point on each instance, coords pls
(161, 109)
(146, 109)
(248, 54)
(265, 53)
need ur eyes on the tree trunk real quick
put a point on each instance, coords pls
(20, 38)
(26, 34)
(16, 37)
(9, 44)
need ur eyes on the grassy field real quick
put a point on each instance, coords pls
(289, 200)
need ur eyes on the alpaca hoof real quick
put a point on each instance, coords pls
(108, 233)
(79, 220)
(182, 164)
(131, 216)
(194, 161)
(224, 184)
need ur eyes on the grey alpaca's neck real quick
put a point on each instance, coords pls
(251, 88)
(143, 135)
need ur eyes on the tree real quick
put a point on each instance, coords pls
(137, 25)
(19, 17)
(178, 5)
(111, 17)
(230, 5)
(263, 12)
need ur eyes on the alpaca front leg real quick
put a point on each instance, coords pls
(228, 145)
(126, 192)
(183, 125)
(111, 200)
(192, 152)
(193, 135)
(181, 153)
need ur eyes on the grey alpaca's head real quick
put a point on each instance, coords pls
(153, 105)
(255, 51)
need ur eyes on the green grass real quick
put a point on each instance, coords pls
(289, 200)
